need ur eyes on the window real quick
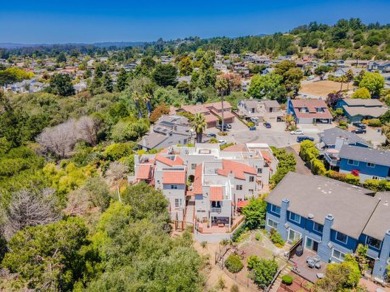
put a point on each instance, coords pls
(372, 165)
(353, 162)
(251, 179)
(193, 165)
(173, 187)
(178, 203)
(318, 227)
(251, 191)
(293, 235)
(341, 237)
(239, 187)
(259, 170)
(272, 224)
(275, 209)
(295, 217)
(338, 254)
(373, 242)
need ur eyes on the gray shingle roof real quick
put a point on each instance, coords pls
(365, 154)
(329, 137)
(350, 205)
(362, 102)
(374, 112)
(380, 221)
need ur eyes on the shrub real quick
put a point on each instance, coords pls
(250, 124)
(263, 273)
(233, 263)
(373, 122)
(287, 279)
(238, 232)
(343, 124)
(318, 167)
(203, 244)
(234, 288)
(361, 93)
(118, 150)
(258, 236)
(253, 261)
(276, 238)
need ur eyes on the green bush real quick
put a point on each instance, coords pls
(239, 231)
(116, 151)
(253, 261)
(276, 238)
(373, 122)
(258, 236)
(318, 167)
(287, 279)
(233, 263)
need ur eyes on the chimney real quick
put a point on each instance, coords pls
(340, 141)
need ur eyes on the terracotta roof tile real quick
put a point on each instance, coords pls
(216, 193)
(177, 160)
(197, 186)
(144, 171)
(237, 168)
(174, 177)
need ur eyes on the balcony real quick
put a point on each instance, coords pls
(216, 210)
(332, 158)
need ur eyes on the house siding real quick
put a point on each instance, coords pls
(366, 172)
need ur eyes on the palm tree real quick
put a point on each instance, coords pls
(349, 76)
(222, 86)
(199, 124)
(137, 98)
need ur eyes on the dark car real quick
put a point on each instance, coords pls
(225, 128)
(267, 125)
(359, 125)
(252, 129)
(211, 135)
(303, 138)
(229, 126)
(359, 131)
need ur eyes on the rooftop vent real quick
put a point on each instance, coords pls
(310, 216)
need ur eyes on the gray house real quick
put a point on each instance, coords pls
(167, 131)
(331, 218)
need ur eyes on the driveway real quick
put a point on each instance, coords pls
(300, 167)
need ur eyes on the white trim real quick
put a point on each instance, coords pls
(317, 224)
(288, 235)
(306, 237)
(380, 246)
(354, 162)
(289, 217)
(272, 205)
(345, 242)
(273, 222)
(337, 257)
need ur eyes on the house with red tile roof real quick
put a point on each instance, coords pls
(219, 182)
(309, 111)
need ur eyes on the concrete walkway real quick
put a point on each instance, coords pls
(300, 167)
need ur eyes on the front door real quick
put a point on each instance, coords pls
(311, 244)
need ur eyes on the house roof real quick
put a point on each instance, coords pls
(236, 148)
(365, 155)
(375, 112)
(218, 106)
(216, 193)
(210, 118)
(362, 102)
(271, 103)
(152, 140)
(311, 105)
(174, 177)
(144, 171)
(170, 162)
(320, 196)
(329, 137)
(197, 185)
(379, 222)
(237, 168)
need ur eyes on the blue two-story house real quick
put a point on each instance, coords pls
(368, 163)
(331, 218)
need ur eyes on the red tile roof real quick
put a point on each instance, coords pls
(144, 171)
(197, 186)
(237, 168)
(216, 193)
(174, 177)
(311, 105)
(236, 148)
(177, 160)
(242, 204)
(266, 156)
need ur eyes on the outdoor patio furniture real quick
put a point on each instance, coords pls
(313, 262)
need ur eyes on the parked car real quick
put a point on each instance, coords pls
(297, 132)
(222, 142)
(303, 138)
(359, 131)
(359, 125)
(252, 128)
(267, 125)
(229, 126)
(211, 135)
(323, 121)
(225, 128)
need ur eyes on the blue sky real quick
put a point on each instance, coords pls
(87, 21)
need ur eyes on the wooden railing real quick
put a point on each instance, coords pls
(275, 277)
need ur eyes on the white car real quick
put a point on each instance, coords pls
(222, 142)
(297, 132)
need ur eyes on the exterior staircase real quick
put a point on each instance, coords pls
(275, 286)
